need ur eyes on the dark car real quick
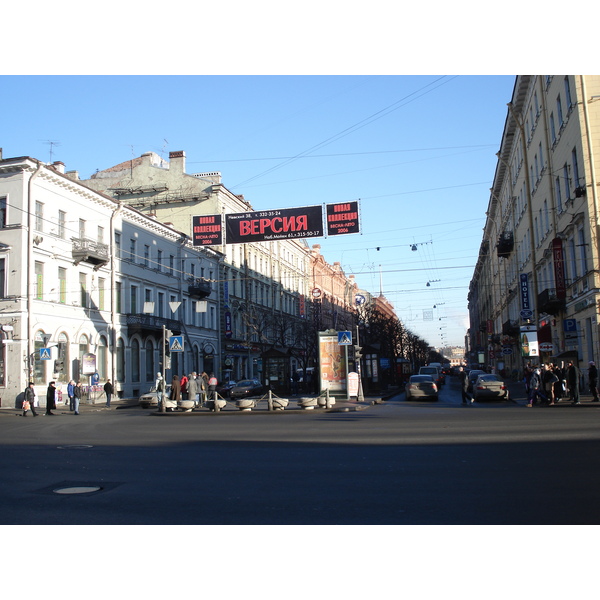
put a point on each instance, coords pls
(224, 389)
(421, 386)
(246, 388)
(473, 375)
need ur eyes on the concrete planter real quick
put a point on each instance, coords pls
(245, 404)
(308, 403)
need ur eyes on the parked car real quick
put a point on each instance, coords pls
(246, 388)
(421, 386)
(435, 372)
(489, 387)
(473, 375)
(150, 399)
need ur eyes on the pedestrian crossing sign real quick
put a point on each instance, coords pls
(176, 343)
(344, 338)
(45, 354)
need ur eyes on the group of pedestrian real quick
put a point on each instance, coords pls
(550, 383)
(74, 392)
(186, 387)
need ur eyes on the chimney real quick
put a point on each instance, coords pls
(177, 162)
(58, 166)
(74, 175)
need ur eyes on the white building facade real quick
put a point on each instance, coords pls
(88, 285)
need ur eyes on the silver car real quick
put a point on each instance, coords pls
(150, 399)
(421, 386)
(489, 387)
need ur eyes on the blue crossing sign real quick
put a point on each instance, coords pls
(344, 338)
(176, 343)
(45, 354)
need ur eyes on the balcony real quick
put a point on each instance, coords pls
(505, 245)
(145, 324)
(90, 252)
(199, 288)
(548, 302)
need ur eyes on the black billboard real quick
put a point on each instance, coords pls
(269, 225)
(207, 230)
(342, 218)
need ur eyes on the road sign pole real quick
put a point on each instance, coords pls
(163, 406)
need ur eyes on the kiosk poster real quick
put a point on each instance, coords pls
(332, 361)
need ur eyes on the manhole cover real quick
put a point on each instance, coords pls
(83, 489)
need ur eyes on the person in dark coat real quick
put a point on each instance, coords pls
(77, 393)
(464, 385)
(573, 382)
(108, 390)
(51, 398)
(593, 379)
(175, 390)
(29, 397)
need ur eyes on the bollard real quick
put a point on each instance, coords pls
(270, 400)
(216, 404)
(327, 405)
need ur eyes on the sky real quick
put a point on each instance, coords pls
(418, 152)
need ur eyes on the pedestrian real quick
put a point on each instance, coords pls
(535, 388)
(295, 380)
(549, 379)
(573, 382)
(51, 398)
(71, 395)
(108, 390)
(464, 385)
(77, 394)
(192, 388)
(183, 383)
(29, 400)
(593, 380)
(212, 383)
(159, 386)
(203, 386)
(175, 395)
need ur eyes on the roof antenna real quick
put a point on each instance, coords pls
(51, 143)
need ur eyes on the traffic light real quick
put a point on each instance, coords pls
(59, 366)
(357, 352)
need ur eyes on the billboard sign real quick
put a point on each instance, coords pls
(342, 218)
(559, 268)
(529, 341)
(332, 362)
(207, 230)
(281, 224)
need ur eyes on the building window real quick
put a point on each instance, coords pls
(552, 129)
(582, 253)
(39, 281)
(161, 304)
(39, 216)
(82, 229)
(133, 300)
(100, 235)
(3, 221)
(118, 296)
(159, 259)
(120, 359)
(171, 264)
(132, 252)
(146, 255)
(62, 285)
(149, 361)
(557, 188)
(568, 92)
(62, 220)
(559, 111)
(541, 153)
(83, 289)
(135, 361)
(566, 182)
(102, 358)
(101, 293)
(573, 257)
(2, 278)
(117, 245)
(575, 166)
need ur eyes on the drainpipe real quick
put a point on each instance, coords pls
(30, 260)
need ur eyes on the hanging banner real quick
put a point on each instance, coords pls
(281, 224)
(525, 300)
(559, 268)
(207, 230)
(529, 342)
(342, 218)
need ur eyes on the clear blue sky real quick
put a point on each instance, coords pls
(418, 151)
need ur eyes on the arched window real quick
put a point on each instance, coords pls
(149, 361)
(135, 360)
(38, 363)
(62, 366)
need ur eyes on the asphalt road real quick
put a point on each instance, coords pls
(396, 463)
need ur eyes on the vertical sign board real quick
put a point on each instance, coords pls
(88, 364)
(332, 362)
(529, 342)
(559, 268)
(207, 230)
(525, 301)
